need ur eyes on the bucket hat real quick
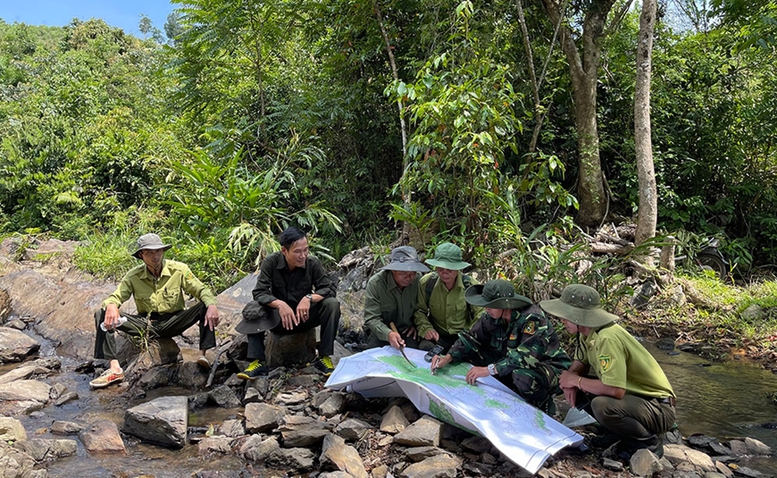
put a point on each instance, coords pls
(405, 259)
(448, 256)
(581, 305)
(495, 294)
(257, 318)
(149, 241)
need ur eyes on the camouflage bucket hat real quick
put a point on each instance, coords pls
(448, 256)
(495, 294)
(149, 241)
(580, 305)
(405, 259)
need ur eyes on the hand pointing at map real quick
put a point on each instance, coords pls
(440, 362)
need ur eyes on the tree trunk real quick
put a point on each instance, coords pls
(584, 73)
(648, 202)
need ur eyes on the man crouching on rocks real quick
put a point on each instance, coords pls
(157, 286)
(629, 393)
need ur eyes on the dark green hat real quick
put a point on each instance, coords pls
(580, 305)
(495, 294)
(448, 256)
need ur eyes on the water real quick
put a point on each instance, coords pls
(723, 400)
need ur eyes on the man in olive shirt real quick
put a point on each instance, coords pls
(158, 287)
(629, 393)
(391, 298)
(293, 294)
(442, 310)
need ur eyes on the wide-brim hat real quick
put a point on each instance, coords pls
(581, 305)
(257, 318)
(149, 241)
(405, 259)
(495, 294)
(448, 256)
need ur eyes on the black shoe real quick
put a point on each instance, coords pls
(324, 365)
(255, 369)
(604, 441)
(436, 350)
(625, 448)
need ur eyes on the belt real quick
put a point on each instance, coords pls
(667, 401)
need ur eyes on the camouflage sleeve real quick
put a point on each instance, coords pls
(537, 343)
(468, 345)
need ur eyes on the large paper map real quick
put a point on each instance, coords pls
(521, 432)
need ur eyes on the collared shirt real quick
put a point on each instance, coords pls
(163, 294)
(445, 310)
(619, 360)
(523, 342)
(276, 281)
(385, 302)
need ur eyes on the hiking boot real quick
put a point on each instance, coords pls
(203, 362)
(106, 378)
(254, 369)
(324, 365)
(625, 448)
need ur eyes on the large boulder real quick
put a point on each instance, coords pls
(15, 345)
(163, 421)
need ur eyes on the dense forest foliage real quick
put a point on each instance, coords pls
(354, 118)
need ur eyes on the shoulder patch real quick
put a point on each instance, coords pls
(604, 362)
(530, 328)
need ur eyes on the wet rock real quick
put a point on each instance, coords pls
(352, 429)
(333, 405)
(440, 466)
(57, 390)
(258, 448)
(191, 375)
(15, 463)
(665, 343)
(224, 397)
(11, 430)
(25, 390)
(337, 455)
(215, 444)
(44, 450)
(15, 345)
(157, 377)
(696, 460)
(394, 421)
(757, 447)
(102, 437)
(67, 397)
(644, 463)
(163, 421)
(20, 373)
(748, 472)
(15, 324)
(231, 428)
(723, 470)
(198, 400)
(262, 417)
(424, 432)
(61, 427)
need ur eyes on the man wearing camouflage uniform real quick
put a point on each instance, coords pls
(514, 342)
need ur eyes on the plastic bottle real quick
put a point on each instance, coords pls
(122, 319)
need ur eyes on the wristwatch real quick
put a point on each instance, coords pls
(310, 297)
(491, 369)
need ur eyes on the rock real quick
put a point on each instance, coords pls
(394, 421)
(476, 444)
(163, 421)
(303, 432)
(65, 428)
(231, 428)
(16, 324)
(644, 463)
(68, 397)
(748, 472)
(753, 313)
(421, 453)
(440, 466)
(336, 454)
(21, 373)
(258, 449)
(40, 449)
(5, 305)
(380, 471)
(57, 390)
(299, 459)
(252, 395)
(157, 377)
(215, 444)
(25, 390)
(290, 349)
(333, 405)
(424, 432)
(224, 397)
(698, 461)
(291, 398)
(262, 418)
(15, 345)
(305, 380)
(102, 437)
(612, 464)
(191, 375)
(757, 447)
(738, 447)
(15, 463)
(353, 429)
(11, 430)
(724, 470)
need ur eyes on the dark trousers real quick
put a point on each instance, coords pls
(160, 326)
(632, 417)
(325, 313)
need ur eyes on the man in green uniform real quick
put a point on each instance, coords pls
(442, 311)
(158, 287)
(512, 341)
(391, 296)
(631, 396)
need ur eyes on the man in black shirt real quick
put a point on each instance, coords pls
(292, 294)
